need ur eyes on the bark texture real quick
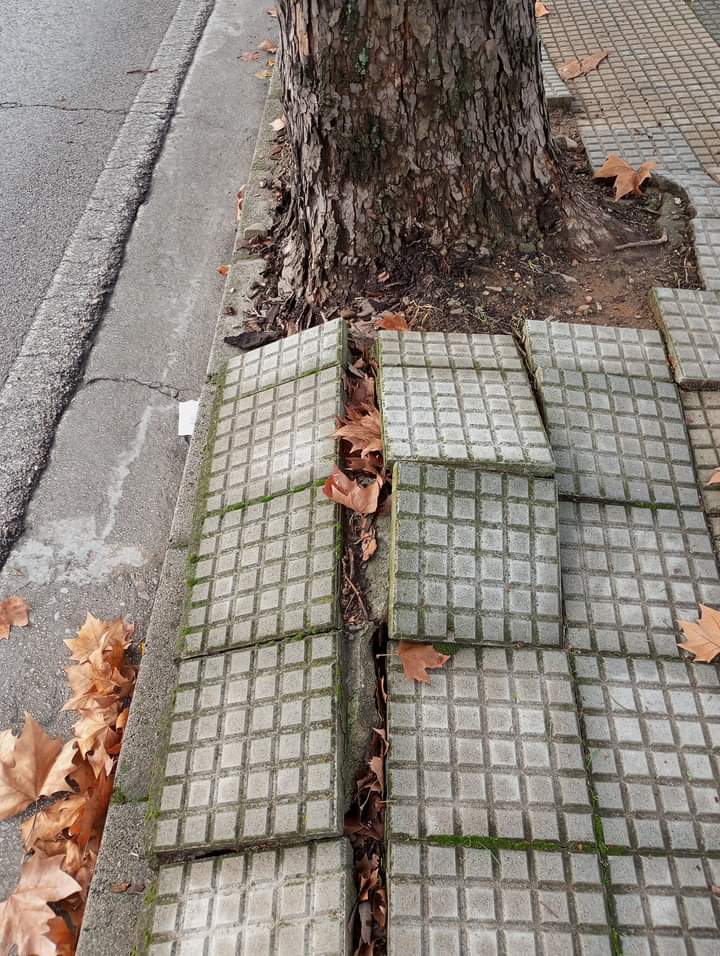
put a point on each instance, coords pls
(410, 119)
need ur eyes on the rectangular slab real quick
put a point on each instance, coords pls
(556, 92)
(254, 748)
(449, 350)
(605, 349)
(706, 234)
(653, 729)
(483, 417)
(276, 439)
(491, 747)
(286, 359)
(618, 438)
(263, 572)
(702, 417)
(629, 574)
(259, 903)
(474, 556)
(457, 901)
(665, 144)
(690, 320)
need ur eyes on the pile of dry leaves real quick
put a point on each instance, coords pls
(62, 837)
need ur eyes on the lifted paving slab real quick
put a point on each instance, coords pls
(690, 320)
(702, 417)
(459, 900)
(449, 350)
(618, 438)
(474, 556)
(491, 747)
(260, 903)
(264, 572)
(254, 748)
(629, 573)
(653, 728)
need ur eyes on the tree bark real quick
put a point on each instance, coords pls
(410, 119)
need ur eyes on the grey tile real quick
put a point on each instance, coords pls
(474, 556)
(653, 730)
(263, 572)
(556, 92)
(254, 751)
(703, 193)
(259, 903)
(706, 233)
(665, 144)
(286, 359)
(491, 747)
(629, 573)
(449, 350)
(691, 323)
(618, 438)
(275, 439)
(596, 348)
(664, 905)
(702, 417)
(482, 417)
(457, 901)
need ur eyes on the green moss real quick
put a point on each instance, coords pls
(363, 58)
(117, 796)
(443, 647)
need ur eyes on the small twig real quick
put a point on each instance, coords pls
(643, 242)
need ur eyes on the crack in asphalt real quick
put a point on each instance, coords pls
(167, 390)
(16, 105)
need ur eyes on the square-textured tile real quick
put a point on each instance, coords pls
(276, 439)
(254, 748)
(491, 747)
(458, 901)
(449, 350)
(706, 233)
(618, 438)
(653, 729)
(691, 323)
(483, 417)
(603, 349)
(629, 574)
(665, 144)
(474, 556)
(664, 905)
(263, 572)
(702, 417)
(286, 359)
(556, 92)
(258, 903)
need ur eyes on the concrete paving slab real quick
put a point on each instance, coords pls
(474, 556)
(456, 900)
(491, 747)
(702, 417)
(706, 235)
(630, 573)
(275, 440)
(618, 438)
(690, 320)
(260, 903)
(664, 905)
(264, 572)
(287, 359)
(556, 91)
(482, 417)
(653, 728)
(665, 144)
(254, 752)
(595, 348)
(449, 350)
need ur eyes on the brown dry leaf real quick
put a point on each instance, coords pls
(25, 916)
(393, 321)
(46, 826)
(540, 9)
(89, 823)
(224, 269)
(714, 479)
(63, 936)
(267, 46)
(627, 179)
(112, 637)
(13, 611)
(278, 124)
(377, 765)
(574, 68)
(362, 428)
(249, 55)
(264, 74)
(347, 492)
(37, 766)
(417, 658)
(703, 636)
(7, 745)
(272, 13)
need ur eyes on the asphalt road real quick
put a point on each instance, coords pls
(65, 88)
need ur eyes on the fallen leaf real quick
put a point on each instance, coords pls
(112, 637)
(269, 62)
(89, 823)
(62, 935)
(272, 13)
(36, 766)
(119, 887)
(703, 636)
(377, 765)
(264, 74)
(25, 916)
(278, 124)
(267, 46)
(714, 479)
(540, 9)
(417, 658)
(248, 56)
(349, 493)
(48, 824)
(393, 321)
(13, 611)
(362, 428)
(627, 179)
(224, 269)
(574, 68)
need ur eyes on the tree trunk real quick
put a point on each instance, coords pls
(410, 119)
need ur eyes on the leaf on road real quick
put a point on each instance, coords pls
(13, 611)
(267, 46)
(47, 826)
(224, 269)
(627, 179)
(349, 493)
(263, 74)
(361, 427)
(278, 124)
(574, 68)
(36, 766)
(272, 13)
(393, 321)
(703, 636)
(25, 916)
(417, 658)
(112, 637)
(63, 936)
(540, 9)
(249, 55)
